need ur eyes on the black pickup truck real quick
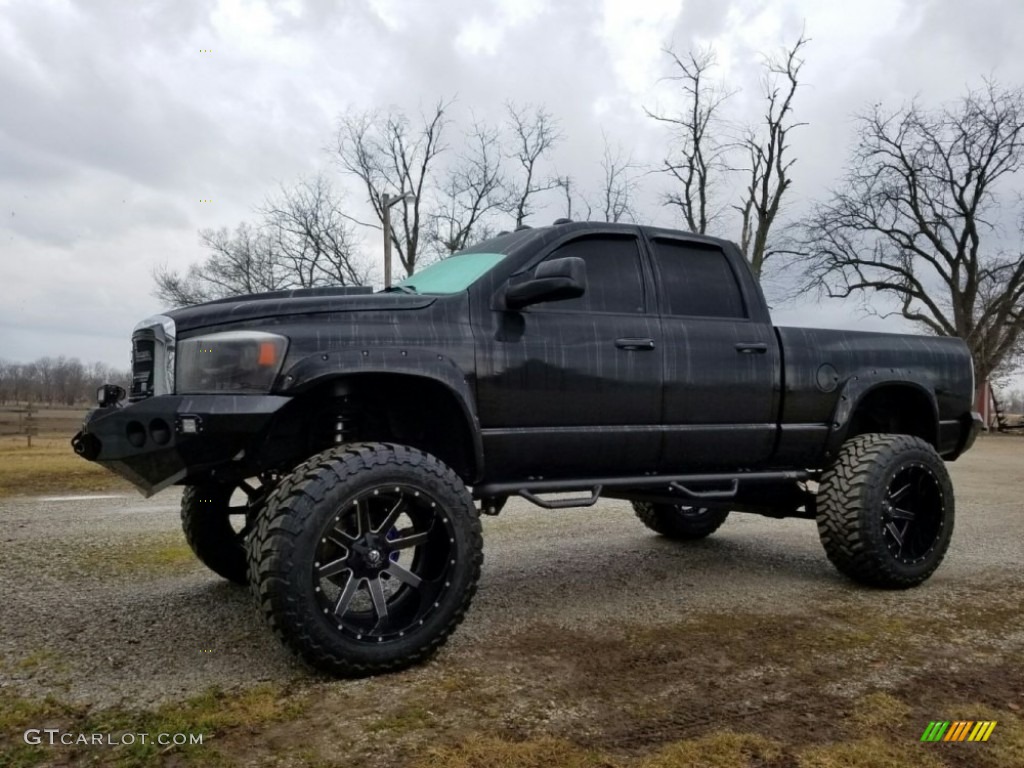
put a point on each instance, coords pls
(334, 443)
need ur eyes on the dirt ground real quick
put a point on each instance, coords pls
(592, 642)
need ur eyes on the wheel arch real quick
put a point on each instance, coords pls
(419, 398)
(884, 406)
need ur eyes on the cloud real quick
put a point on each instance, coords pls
(115, 123)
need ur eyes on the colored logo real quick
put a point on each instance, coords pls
(958, 730)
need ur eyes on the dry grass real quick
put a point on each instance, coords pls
(50, 466)
(326, 724)
(213, 714)
(146, 557)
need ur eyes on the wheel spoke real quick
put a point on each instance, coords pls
(248, 490)
(895, 496)
(895, 513)
(392, 518)
(404, 575)
(412, 540)
(339, 538)
(345, 598)
(362, 519)
(896, 533)
(380, 603)
(334, 567)
(383, 559)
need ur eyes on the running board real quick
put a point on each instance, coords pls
(682, 484)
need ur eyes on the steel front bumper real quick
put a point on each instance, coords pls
(159, 441)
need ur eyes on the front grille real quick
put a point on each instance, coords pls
(143, 361)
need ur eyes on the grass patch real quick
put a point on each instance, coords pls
(17, 714)
(406, 719)
(1005, 746)
(723, 749)
(216, 714)
(43, 664)
(50, 466)
(878, 711)
(871, 752)
(150, 555)
(490, 752)
(36, 659)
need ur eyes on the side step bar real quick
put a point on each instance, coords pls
(682, 484)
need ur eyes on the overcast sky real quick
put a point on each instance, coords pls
(115, 122)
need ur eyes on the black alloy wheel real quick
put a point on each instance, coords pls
(383, 562)
(886, 510)
(912, 514)
(366, 557)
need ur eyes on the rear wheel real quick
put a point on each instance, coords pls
(366, 558)
(677, 521)
(886, 511)
(215, 518)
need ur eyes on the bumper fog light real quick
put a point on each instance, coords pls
(189, 425)
(109, 395)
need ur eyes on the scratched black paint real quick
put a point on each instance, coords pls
(552, 394)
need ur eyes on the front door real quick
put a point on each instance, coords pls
(572, 388)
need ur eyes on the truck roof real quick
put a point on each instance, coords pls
(531, 238)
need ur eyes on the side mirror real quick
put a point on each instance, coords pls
(552, 281)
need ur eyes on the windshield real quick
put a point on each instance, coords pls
(451, 275)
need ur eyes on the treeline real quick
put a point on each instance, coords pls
(916, 226)
(56, 380)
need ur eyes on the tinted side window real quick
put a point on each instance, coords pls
(697, 281)
(614, 279)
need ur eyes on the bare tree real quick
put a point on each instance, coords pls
(697, 153)
(768, 154)
(312, 236)
(391, 155)
(915, 219)
(61, 380)
(472, 190)
(242, 263)
(303, 240)
(567, 184)
(534, 132)
(619, 184)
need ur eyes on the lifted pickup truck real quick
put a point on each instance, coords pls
(353, 433)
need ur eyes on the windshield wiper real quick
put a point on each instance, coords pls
(401, 289)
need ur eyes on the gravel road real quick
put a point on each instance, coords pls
(83, 619)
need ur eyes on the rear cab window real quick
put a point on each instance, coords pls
(696, 280)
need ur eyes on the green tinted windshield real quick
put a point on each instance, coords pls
(451, 275)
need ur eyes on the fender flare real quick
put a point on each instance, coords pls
(856, 388)
(320, 367)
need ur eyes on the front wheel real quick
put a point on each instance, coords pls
(885, 510)
(366, 558)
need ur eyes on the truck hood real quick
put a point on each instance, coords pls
(283, 303)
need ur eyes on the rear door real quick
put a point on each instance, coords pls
(720, 360)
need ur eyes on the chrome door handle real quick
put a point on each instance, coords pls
(635, 345)
(758, 348)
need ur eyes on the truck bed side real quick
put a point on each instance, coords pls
(839, 383)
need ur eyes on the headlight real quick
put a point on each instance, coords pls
(234, 361)
(153, 357)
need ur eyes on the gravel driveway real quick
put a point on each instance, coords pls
(79, 601)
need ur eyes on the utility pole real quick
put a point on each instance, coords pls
(387, 201)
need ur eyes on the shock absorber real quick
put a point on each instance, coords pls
(344, 423)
